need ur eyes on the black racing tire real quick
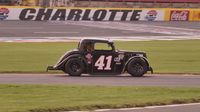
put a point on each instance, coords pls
(74, 67)
(137, 67)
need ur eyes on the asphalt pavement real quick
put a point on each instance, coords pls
(120, 80)
(38, 29)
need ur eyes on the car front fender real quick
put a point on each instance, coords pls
(147, 62)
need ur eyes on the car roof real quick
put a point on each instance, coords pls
(104, 40)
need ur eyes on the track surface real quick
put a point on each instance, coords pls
(84, 28)
(122, 80)
(77, 29)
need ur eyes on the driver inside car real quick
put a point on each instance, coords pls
(89, 47)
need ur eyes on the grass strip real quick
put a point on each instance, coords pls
(54, 98)
(177, 56)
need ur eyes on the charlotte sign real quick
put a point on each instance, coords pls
(85, 14)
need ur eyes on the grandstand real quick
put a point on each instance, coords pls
(6, 2)
(107, 3)
(139, 3)
(21, 2)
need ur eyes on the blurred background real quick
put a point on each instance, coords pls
(106, 3)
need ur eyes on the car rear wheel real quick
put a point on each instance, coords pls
(137, 67)
(74, 67)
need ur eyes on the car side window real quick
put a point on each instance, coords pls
(89, 47)
(102, 46)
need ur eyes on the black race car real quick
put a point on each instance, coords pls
(99, 56)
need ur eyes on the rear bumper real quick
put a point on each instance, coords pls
(51, 68)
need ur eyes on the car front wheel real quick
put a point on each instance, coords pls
(137, 67)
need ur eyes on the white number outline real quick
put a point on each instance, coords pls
(100, 62)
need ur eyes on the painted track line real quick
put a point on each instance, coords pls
(140, 108)
(138, 28)
(54, 32)
(148, 107)
(122, 38)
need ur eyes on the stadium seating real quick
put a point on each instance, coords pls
(159, 1)
(150, 1)
(6, 2)
(139, 3)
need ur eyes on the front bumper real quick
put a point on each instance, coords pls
(151, 69)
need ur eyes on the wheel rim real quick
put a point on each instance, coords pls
(138, 68)
(75, 67)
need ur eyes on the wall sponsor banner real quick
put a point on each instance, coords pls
(78, 14)
(179, 15)
(4, 13)
(196, 15)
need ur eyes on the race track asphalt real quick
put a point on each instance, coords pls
(121, 80)
(37, 29)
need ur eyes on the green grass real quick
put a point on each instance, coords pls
(52, 98)
(164, 56)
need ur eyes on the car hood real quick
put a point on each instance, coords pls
(132, 53)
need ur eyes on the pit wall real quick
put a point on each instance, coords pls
(98, 14)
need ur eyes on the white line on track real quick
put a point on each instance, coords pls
(19, 28)
(139, 28)
(55, 32)
(121, 38)
(149, 107)
(139, 108)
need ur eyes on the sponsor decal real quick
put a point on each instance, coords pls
(89, 58)
(179, 15)
(4, 13)
(196, 15)
(140, 55)
(117, 59)
(79, 14)
(151, 15)
(121, 56)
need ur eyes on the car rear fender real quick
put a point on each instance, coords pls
(62, 64)
(125, 66)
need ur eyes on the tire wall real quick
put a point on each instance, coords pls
(98, 14)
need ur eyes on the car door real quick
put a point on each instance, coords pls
(103, 59)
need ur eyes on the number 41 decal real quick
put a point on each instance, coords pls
(100, 63)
